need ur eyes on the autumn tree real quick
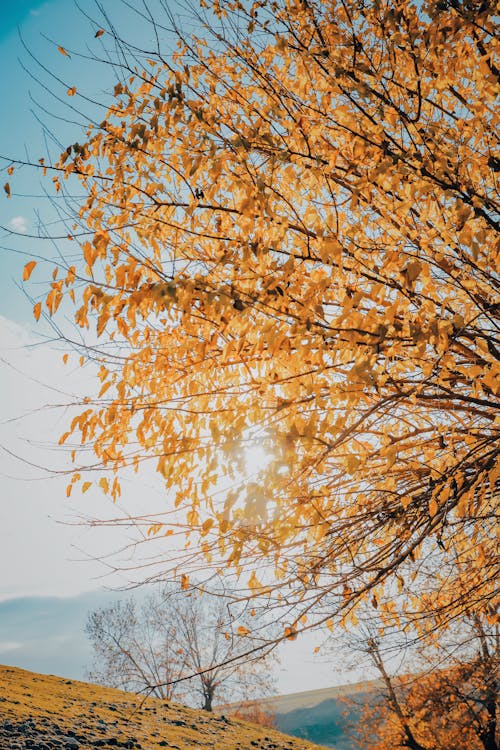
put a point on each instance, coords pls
(452, 706)
(289, 236)
(179, 645)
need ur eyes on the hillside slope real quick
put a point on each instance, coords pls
(328, 716)
(43, 712)
(283, 704)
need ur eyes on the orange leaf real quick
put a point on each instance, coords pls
(104, 484)
(6, 187)
(37, 310)
(71, 91)
(63, 51)
(28, 269)
(99, 33)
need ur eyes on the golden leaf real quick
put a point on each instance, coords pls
(254, 582)
(104, 485)
(28, 269)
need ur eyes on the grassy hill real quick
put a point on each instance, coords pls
(43, 712)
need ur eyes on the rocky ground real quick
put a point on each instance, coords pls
(43, 712)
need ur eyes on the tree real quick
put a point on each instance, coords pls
(289, 234)
(452, 706)
(181, 646)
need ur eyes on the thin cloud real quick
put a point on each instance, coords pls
(6, 646)
(19, 224)
(39, 10)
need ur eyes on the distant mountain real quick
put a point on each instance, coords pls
(327, 717)
(46, 633)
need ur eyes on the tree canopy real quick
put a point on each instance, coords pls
(292, 239)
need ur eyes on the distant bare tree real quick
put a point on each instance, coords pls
(180, 645)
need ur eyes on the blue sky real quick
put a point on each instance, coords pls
(15, 13)
(45, 634)
(52, 566)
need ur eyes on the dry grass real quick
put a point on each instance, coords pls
(93, 713)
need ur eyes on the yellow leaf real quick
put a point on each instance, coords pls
(28, 269)
(104, 484)
(413, 270)
(254, 582)
(86, 486)
(207, 525)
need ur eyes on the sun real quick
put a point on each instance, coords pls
(258, 456)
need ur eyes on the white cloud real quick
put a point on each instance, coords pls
(38, 11)
(19, 224)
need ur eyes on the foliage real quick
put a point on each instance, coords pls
(178, 645)
(453, 706)
(290, 235)
(256, 714)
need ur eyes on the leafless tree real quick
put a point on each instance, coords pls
(181, 645)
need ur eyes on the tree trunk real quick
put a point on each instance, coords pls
(208, 695)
